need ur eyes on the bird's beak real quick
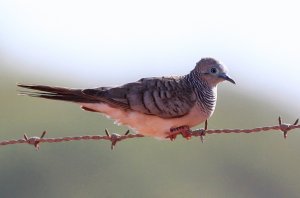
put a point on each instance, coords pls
(226, 77)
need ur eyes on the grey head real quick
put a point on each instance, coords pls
(211, 71)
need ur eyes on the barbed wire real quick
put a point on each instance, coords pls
(114, 138)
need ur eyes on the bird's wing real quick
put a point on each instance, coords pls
(163, 97)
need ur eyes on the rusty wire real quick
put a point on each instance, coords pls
(114, 138)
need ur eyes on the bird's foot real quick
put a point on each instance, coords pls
(185, 131)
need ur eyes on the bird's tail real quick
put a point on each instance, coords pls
(57, 93)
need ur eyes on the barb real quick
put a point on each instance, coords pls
(114, 138)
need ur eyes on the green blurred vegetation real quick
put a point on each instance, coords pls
(229, 165)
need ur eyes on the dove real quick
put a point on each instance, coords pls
(156, 106)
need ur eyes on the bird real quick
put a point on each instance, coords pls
(156, 106)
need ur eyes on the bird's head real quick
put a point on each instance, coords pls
(212, 71)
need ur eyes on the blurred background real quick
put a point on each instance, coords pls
(98, 43)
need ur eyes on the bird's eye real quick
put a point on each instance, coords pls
(213, 70)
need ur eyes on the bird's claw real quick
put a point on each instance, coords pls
(185, 131)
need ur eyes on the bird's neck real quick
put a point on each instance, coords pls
(206, 95)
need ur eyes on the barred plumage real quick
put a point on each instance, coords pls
(151, 106)
(206, 96)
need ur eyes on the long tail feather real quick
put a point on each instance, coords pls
(57, 93)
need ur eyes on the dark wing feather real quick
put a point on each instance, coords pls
(163, 97)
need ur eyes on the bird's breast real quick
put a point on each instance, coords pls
(150, 125)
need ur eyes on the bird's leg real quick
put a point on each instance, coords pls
(185, 131)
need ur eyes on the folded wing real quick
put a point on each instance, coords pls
(163, 97)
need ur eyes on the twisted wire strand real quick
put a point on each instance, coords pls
(114, 138)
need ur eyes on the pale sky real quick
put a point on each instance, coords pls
(108, 42)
